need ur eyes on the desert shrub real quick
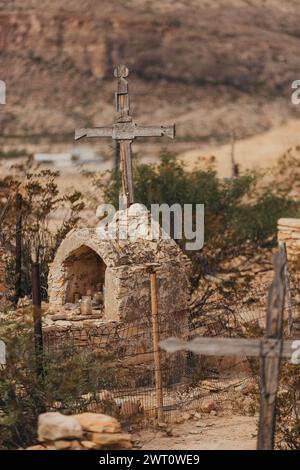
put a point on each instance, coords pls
(13, 154)
(39, 198)
(288, 409)
(240, 213)
(70, 382)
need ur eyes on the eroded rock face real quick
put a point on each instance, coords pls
(58, 61)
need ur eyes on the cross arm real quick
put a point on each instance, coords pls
(126, 131)
(229, 346)
(155, 131)
(93, 132)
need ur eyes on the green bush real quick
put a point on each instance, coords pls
(288, 409)
(240, 213)
(40, 198)
(70, 382)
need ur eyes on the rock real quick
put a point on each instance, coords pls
(84, 431)
(37, 447)
(207, 405)
(169, 431)
(162, 425)
(105, 440)
(137, 210)
(59, 316)
(179, 420)
(247, 388)
(88, 445)
(213, 413)
(106, 395)
(55, 426)
(202, 425)
(130, 408)
(136, 443)
(187, 415)
(62, 445)
(289, 222)
(23, 302)
(97, 422)
(63, 323)
(76, 445)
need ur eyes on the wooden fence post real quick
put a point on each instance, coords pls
(117, 159)
(156, 351)
(37, 317)
(270, 364)
(282, 246)
(234, 165)
(18, 262)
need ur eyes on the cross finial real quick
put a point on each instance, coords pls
(121, 95)
(121, 71)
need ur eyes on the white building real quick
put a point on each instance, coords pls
(76, 156)
(61, 160)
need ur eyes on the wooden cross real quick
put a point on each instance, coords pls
(124, 130)
(269, 349)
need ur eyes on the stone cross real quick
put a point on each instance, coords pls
(124, 130)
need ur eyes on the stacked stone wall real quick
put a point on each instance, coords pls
(289, 232)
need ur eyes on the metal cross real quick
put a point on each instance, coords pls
(124, 130)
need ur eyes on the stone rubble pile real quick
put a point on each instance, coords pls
(86, 431)
(289, 232)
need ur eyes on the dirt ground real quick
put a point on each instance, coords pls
(209, 433)
(259, 151)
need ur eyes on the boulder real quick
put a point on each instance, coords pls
(88, 445)
(207, 405)
(37, 447)
(62, 444)
(107, 440)
(54, 426)
(97, 422)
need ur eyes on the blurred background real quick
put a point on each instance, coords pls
(222, 71)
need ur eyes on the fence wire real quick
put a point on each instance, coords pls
(126, 353)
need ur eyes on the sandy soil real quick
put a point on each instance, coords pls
(261, 150)
(211, 433)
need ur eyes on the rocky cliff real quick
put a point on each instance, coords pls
(209, 66)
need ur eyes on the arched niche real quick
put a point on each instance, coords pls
(85, 273)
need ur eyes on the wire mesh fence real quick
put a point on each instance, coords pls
(127, 355)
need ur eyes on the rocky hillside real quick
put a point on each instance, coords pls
(212, 67)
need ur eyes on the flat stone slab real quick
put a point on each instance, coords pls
(74, 317)
(289, 222)
(54, 425)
